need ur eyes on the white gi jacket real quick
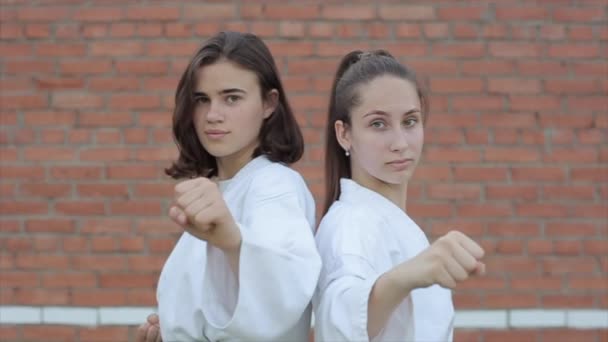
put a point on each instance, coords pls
(198, 296)
(362, 236)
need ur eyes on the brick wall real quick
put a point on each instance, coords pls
(516, 146)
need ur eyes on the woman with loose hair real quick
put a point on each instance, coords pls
(381, 280)
(246, 266)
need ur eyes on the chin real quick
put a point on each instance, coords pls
(217, 152)
(396, 179)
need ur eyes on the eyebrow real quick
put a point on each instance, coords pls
(222, 92)
(383, 113)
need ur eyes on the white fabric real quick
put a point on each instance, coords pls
(198, 296)
(362, 236)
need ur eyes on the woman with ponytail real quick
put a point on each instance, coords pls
(381, 280)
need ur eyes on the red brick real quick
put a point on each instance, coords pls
(406, 12)
(429, 210)
(513, 229)
(577, 14)
(573, 192)
(452, 154)
(511, 300)
(11, 31)
(572, 51)
(569, 265)
(76, 172)
(548, 68)
(506, 192)
(580, 120)
(513, 86)
(454, 191)
(514, 50)
(580, 33)
(105, 154)
(568, 301)
(355, 12)
(478, 103)
(521, 13)
(69, 279)
(458, 50)
(456, 85)
(43, 13)
(465, 31)
(116, 49)
(88, 66)
(38, 31)
(590, 174)
(45, 190)
(533, 284)
(484, 210)
(80, 208)
(510, 335)
(23, 208)
(553, 32)
(112, 119)
(76, 100)
(293, 12)
(61, 50)
(134, 172)
(209, 11)
(103, 14)
(99, 263)
(461, 13)
(581, 154)
(122, 280)
(139, 208)
(161, 13)
(465, 173)
(150, 30)
(23, 102)
(104, 333)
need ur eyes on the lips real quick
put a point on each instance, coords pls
(401, 164)
(215, 133)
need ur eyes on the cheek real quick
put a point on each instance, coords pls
(417, 139)
(371, 149)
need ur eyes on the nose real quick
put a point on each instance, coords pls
(214, 114)
(398, 141)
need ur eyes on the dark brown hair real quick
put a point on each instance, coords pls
(280, 137)
(355, 69)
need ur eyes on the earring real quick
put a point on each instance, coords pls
(347, 153)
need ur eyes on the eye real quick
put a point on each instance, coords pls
(201, 100)
(231, 99)
(378, 124)
(410, 122)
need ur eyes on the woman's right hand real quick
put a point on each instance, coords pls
(149, 331)
(450, 260)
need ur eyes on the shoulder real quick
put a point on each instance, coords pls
(276, 179)
(350, 229)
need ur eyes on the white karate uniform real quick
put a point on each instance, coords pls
(361, 237)
(198, 296)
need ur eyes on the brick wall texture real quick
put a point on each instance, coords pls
(516, 148)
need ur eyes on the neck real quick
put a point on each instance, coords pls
(396, 193)
(228, 166)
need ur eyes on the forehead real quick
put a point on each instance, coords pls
(225, 74)
(388, 93)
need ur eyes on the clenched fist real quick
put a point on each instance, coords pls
(149, 331)
(201, 210)
(449, 260)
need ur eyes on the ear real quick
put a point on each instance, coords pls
(271, 101)
(343, 134)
